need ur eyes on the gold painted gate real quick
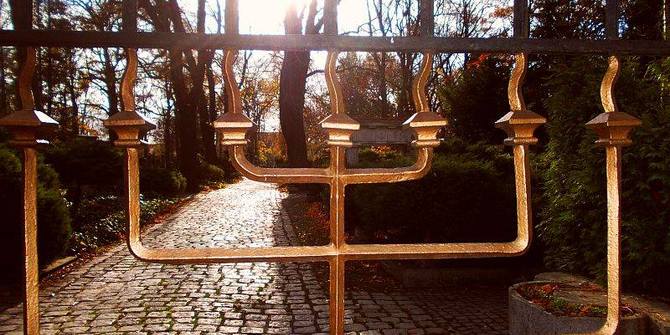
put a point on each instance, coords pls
(29, 126)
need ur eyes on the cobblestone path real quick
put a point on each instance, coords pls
(116, 294)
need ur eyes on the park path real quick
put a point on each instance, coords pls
(117, 294)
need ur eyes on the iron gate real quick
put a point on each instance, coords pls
(612, 128)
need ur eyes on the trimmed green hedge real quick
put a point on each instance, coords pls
(467, 196)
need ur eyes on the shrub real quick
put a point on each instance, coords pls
(86, 162)
(476, 98)
(102, 220)
(161, 181)
(11, 235)
(54, 224)
(465, 197)
(574, 218)
(210, 175)
(383, 157)
(53, 218)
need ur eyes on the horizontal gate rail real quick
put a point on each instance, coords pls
(162, 40)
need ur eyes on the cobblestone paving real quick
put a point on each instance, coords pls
(116, 294)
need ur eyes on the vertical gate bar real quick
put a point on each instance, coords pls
(31, 314)
(330, 17)
(521, 19)
(232, 17)
(131, 178)
(31, 318)
(426, 17)
(337, 263)
(613, 173)
(129, 15)
(613, 161)
(612, 19)
(523, 194)
(336, 295)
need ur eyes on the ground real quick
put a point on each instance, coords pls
(116, 294)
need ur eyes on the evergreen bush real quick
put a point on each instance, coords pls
(465, 197)
(53, 217)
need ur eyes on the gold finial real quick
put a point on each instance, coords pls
(520, 123)
(25, 80)
(607, 86)
(232, 126)
(233, 91)
(334, 88)
(419, 85)
(515, 88)
(128, 81)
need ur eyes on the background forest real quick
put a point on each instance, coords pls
(469, 195)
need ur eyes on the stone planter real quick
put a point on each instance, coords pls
(526, 318)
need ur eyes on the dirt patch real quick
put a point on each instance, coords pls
(553, 298)
(310, 219)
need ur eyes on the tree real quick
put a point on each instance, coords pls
(190, 101)
(474, 98)
(102, 64)
(293, 82)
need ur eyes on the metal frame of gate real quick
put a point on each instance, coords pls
(612, 128)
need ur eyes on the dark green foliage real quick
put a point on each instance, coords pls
(571, 170)
(53, 218)
(476, 99)
(466, 197)
(155, 180)
(11, 241)
(210, 175)
(86, 162)
(573, 225)
(369, 158)
(54, 224)
(102, 220)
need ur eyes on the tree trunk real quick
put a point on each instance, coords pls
(4, 105)
(110, 83)
(292, 104)
(185, 122)
(292, 87)
(208, 135)
(164, 15)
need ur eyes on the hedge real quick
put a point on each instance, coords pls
(467, 196)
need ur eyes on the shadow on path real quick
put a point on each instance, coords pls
(115, 293)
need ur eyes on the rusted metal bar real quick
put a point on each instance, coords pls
(521, 19)
(337, 239)
(613, 162)
(612, 19)
(232, 17)
(23, 17)
(277, 175)
(129, 15)
(330, 17)
(162, 40)
(427, 17)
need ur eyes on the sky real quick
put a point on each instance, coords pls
(267, 16)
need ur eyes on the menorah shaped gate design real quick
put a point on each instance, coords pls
(612, 127)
